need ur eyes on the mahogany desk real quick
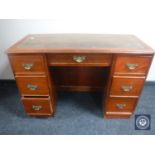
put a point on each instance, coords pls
(117, 65)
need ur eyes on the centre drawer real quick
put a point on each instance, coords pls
(37, 106)
(126, 86)
(79, 59)
(32, 85)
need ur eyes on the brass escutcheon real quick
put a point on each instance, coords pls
(27, 66)
(79, 59)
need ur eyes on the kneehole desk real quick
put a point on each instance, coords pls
(116, 65)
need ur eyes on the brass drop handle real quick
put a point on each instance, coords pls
(32, 87)
(132, 66)
(27, 66)
(126, 88)
(78, 58)
(36, 107)
(120, 105)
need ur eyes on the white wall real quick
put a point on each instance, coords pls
(123, 18)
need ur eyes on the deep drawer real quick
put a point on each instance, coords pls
(32, 85)
(132, 65)
(126, 86)
(37, 106)
(27, 64)
(125, 105)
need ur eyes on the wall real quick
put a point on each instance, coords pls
(110, 18)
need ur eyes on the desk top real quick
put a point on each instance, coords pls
(66, 43)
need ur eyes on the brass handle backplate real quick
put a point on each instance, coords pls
(36, 107)
(120, 105)
(126, 88)
(27, 66)
(132, 66)
(79, 59)
(32, 87)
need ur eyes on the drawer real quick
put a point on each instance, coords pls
(32, 85)
(116, 105)
(79, 59)
(126, 86)
(27, 64)
(132, 65)
(37, 106)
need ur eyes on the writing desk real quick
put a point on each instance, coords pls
(116, 65)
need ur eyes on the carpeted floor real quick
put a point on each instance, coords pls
(77, 113)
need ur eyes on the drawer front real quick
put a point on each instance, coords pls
(29, 64)
(79, 59)
(32, 85)
(37, 106)
(132, 64)
(121, 105)
(126, 86)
